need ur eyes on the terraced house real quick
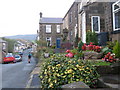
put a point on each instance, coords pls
(70, 22)
(50, 30)
(101, 17)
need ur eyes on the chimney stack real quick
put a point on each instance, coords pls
(40, 14)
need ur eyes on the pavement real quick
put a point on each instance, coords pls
(34, 80)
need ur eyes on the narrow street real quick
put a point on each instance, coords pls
(16, 75)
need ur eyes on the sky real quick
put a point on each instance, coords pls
(19, 17)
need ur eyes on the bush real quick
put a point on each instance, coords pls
(116, 49)
(91, 37)
(110, 44)
(58, 71)
(106, 50)
(80, 44)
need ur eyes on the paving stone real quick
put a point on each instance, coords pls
(76, 85)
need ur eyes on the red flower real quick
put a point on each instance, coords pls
(91, 43)
(67, 51)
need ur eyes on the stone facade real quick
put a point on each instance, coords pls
(104, 11)
(53, 35)
(70, 21)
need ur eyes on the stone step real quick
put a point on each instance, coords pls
(113, 79)
(113, 85)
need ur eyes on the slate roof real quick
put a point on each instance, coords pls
(2, 41)
(51, 20)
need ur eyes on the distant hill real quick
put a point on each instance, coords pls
(25, 37)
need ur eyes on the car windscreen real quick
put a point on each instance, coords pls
(9, 56)
(17, 56)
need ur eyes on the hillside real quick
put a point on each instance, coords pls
(25, 37)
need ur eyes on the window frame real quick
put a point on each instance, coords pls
(98, 24)
(58, 29)
(50, 28)
(114, 11)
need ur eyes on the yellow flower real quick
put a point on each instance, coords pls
(75, 68)
(70, 71)
(45, 72)
(41, 76)
(87, 68)
(77, 79)
(51, 85)
(73, 61)
(49, 80)
(70, 61)
(53, 67)
(55, 81)
(58, 75)
(58, 65)
(64, 76)
(77, 65)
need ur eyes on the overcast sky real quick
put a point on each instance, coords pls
(22, 16)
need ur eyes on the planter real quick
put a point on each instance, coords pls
(112, 69)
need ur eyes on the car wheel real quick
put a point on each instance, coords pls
(14, 61)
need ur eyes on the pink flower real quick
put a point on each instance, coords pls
(67, 51)
(70, 55)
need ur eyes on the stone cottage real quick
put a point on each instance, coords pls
(99, 17)
(50, 30)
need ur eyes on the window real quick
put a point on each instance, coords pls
(95, 24)
(70, 17)
(48, 28)
(4, 46)
(75, 30)
(116, 16)
(58, 28)
(48, 39)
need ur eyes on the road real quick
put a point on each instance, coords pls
(16, 75)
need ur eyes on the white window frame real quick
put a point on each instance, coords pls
(115, 11)
(98, 24)
(48, 28)
(58, 29)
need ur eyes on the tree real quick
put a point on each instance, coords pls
(10, 44)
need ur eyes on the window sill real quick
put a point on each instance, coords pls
(115, 32)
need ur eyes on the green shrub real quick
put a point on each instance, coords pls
(106, 50)
(116, 49)
(111, 44)
(80, 44)
(91, 37)
(58, 71)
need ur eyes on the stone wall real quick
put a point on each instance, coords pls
(54, 35)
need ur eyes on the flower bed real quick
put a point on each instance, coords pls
(59, 70)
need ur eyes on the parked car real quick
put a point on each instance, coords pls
(20, 53)
(9, 58)
(18, 58)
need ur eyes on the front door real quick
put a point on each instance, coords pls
(58, 43)
(83, 21)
